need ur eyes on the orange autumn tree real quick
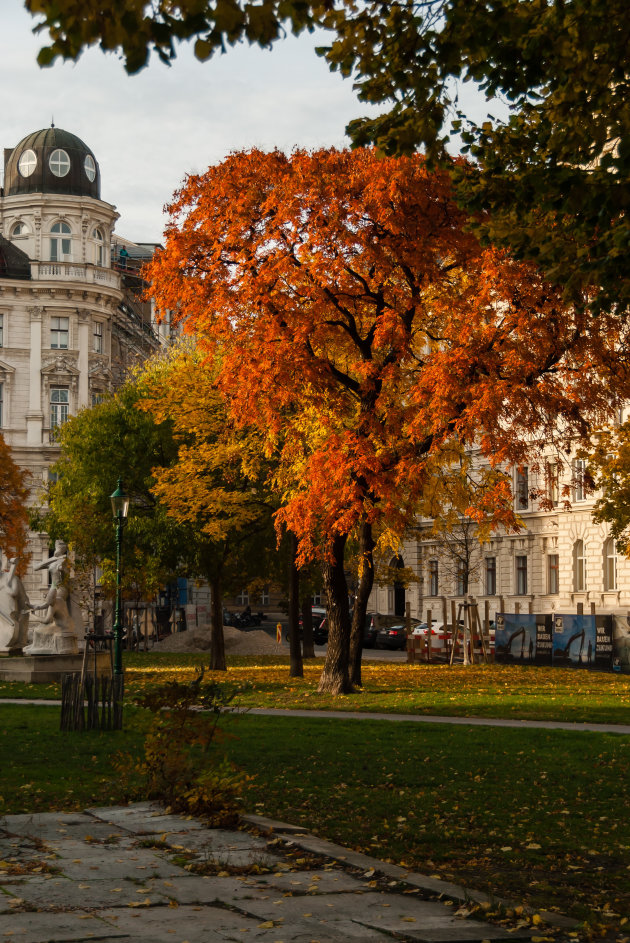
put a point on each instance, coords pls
(13, 513)
(367, 334)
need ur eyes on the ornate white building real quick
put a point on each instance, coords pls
(71, 322)
(560, 561)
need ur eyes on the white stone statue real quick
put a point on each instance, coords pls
(13, 614)
(56, 633)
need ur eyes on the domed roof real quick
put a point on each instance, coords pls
(51, 161)
(13, 262)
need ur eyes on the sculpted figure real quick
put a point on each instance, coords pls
(55, 634)
(13, 617)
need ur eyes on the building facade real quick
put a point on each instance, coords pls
(71, 323)
(560, 561)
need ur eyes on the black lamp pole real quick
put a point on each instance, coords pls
(120, 507)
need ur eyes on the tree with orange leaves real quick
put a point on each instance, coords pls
(364, 330)
(13, 513)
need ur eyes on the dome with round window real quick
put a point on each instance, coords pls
(52, 161)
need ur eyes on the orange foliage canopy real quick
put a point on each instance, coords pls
(365, 330)
(13, 513)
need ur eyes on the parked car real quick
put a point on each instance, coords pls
(370, 630)
(320, 629)
(394, 636)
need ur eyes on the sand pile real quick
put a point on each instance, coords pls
(237, 642)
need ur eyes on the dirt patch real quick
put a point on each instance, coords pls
(237, 642)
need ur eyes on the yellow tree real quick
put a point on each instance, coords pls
(216, 483)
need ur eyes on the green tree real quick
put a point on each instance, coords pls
(551, 183)
(115, 439)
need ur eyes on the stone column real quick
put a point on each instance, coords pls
(84, 353)
(35, 415)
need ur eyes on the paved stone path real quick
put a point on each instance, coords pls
(137, 873)
(578, 727)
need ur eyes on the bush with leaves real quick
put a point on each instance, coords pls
(182, 765)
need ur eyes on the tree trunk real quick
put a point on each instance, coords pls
(308, 645)
(217, 642)
(335, 678)
(296, 669)
(366, 582)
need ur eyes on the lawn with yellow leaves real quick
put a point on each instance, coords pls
(531, 693)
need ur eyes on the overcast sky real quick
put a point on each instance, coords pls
(147, 131)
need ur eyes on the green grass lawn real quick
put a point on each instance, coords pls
(482, 690)
(536, 815)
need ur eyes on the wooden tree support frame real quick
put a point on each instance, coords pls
(90, 701)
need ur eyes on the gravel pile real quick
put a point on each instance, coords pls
(237, 642)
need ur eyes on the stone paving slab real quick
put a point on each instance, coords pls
(77, 927)
(145, 819)
(45, 826)
(61, 893)
(179, 924)
(350, 915)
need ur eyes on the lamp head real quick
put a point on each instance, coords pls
(120, 503)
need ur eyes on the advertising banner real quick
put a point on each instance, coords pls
(604, 642)
(574, 641)
(621, 643)
(544, 639)
(515, 638)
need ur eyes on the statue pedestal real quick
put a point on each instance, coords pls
(57, 642)
(42, 669)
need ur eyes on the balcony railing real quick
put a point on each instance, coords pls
(75, 272)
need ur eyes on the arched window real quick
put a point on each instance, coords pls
(610, 564)
(579, 567)
(60, 243)
(99, 250)
(19, 229)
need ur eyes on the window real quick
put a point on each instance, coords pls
(97, 398)
(99, 251)
(610, 564)
(521, 576)
(553, 488)
(522, 489)
(316, 599)
(491, 576)
(27, 163)
(60, 243)
(1, 403)
(264, 596)
(19, 230)
(243, 598)
(59, 399)
(433, 578)
(98, 337)
(579, 567)
(553, 574)
(59, 163)
(59, 333)
(90, 168)
(1, 330)
(462, 579)
(579, 470)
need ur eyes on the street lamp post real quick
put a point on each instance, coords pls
(120, 507)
